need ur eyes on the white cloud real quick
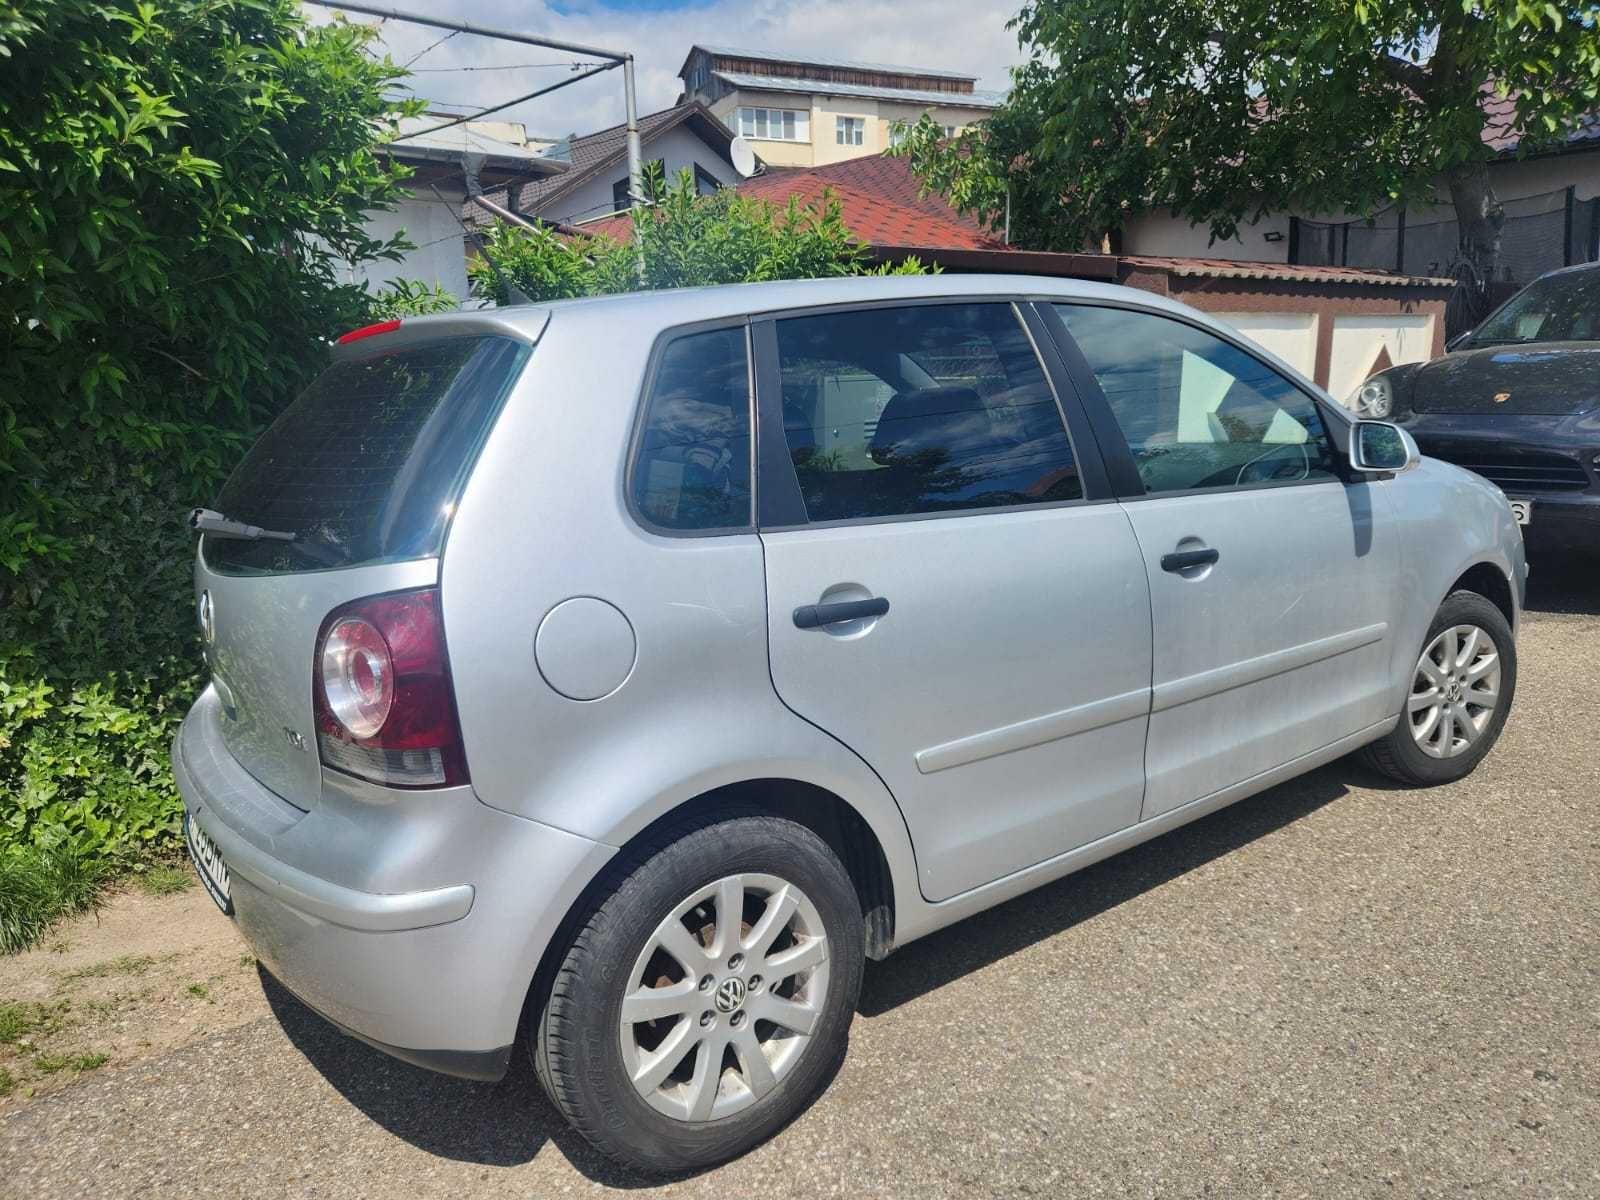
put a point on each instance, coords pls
(957, 35)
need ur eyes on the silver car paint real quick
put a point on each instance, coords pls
(558, 784)
(1004, 698)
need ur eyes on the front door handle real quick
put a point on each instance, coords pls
(1183, 560)
(815, 616)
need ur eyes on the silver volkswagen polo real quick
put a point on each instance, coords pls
(628, 671)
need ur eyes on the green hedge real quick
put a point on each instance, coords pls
(182, 186)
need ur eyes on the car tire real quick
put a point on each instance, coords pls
(625, 949)
(1418, 760)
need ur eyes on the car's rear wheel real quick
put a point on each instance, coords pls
(705, 1000)
(1459, 696)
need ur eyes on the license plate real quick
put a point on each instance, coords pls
(1522, 510)
(208, 862)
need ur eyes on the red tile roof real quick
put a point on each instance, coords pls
(1500, 123)
(878, 198)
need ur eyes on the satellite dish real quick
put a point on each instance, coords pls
(742, 157)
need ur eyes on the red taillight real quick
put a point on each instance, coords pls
(385, 707)
(366, 331)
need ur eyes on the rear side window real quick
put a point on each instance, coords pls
(367, 464)
(924, 409)
(691, 468)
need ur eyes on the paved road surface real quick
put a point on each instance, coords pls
(1333, 989)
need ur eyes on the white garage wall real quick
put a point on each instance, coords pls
(1291, 336)
(1357, 339)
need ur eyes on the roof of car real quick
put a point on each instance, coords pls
(663, 309)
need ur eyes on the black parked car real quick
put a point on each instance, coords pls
(1516, 400)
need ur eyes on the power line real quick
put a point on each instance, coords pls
(430, 46)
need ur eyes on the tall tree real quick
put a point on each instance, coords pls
(1222, 110)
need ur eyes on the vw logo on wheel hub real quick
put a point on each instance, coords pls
(730, 995)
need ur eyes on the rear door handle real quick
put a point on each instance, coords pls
(815, 616)
(1182, 560)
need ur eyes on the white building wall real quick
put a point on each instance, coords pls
(434, 228)
(1169, 235)
(823, 148)
(678, 148)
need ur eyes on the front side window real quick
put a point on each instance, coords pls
(926, 409)
(691, 470)
(1197, 411)
(850, 131)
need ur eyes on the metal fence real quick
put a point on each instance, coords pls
(1541, 233)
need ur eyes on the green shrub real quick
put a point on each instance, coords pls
(182, 187)
(685, 240)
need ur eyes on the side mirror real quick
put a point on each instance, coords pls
(1379, 448)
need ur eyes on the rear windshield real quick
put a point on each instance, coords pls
(366, 466)
(1558, 308)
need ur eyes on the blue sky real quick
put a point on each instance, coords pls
(964, 35)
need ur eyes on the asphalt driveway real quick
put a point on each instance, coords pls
(1335, 988)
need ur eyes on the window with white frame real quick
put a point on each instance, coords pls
(850, 131)
(951, 130)
(775, 124)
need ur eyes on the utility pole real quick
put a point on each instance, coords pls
(635, 167)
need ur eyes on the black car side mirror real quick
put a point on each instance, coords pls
(1379, 448)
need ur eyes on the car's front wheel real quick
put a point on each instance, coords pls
(1460, 694)
(706, 1000)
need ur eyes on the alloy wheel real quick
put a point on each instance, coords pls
(723, 999)
(1455, 691)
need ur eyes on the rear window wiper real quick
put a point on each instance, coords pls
(207, 520)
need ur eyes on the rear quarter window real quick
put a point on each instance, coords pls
(691, 465)
(367, 464)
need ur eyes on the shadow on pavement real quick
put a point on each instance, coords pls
(988, 937)
(501, 1124)
(508, 1123)
(1564, 585)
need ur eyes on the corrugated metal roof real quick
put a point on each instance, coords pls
(458, 140)
(811, 61)
(821, 87)
(1227, 268)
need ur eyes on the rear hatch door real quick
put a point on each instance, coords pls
(365, 468)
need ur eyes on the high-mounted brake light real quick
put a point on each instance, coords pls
(366, 331)
(385, 706)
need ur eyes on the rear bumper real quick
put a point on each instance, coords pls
(412, 920)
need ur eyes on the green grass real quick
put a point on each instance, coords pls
(6, 1082)
(200, 990)
(164, 880)
(49, 1064)
(128, 964)
(20, 1018)
(37, 888)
